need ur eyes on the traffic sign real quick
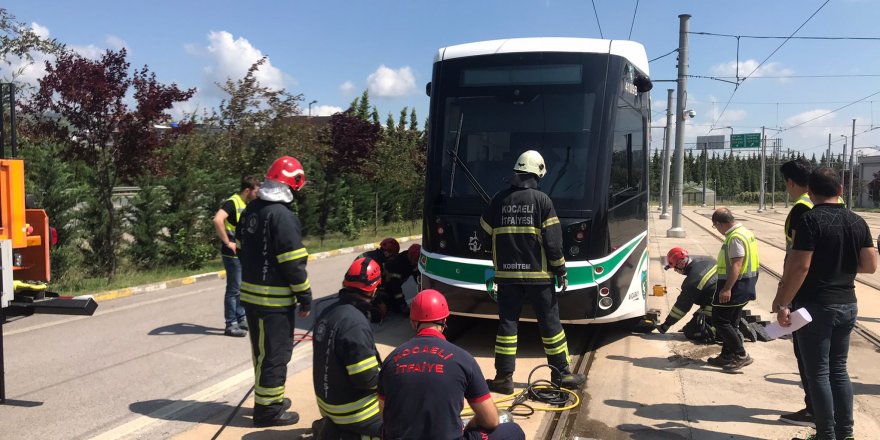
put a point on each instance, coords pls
(745, 140)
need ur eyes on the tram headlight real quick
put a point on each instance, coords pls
(574, 251)
(17, 259)
(442, 244)
(605, 302)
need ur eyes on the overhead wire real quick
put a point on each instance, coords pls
(787, 38)
(633, 21)
(765, 60)
(830, 112)
(597, 19)
(664, 55)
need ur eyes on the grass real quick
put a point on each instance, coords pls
(131, 278)
(337, 240)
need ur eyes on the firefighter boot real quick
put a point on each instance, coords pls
(502, 384)
(568, 380)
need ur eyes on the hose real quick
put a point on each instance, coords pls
(555, 398)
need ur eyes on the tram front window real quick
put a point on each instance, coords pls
(495, 130)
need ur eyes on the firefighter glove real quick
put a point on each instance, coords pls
(562, 282)
(305, 301)
(663, 328)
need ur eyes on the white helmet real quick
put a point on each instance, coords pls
(531, 162)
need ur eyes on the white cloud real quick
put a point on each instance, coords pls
(115, 43)
(346, 88)
(90, 51)
(232, 57)
(40, 30)
(390, 83)
(324, 110)
(748, 66)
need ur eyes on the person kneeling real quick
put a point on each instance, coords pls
(345, 359)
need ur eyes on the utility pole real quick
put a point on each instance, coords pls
(664, 189)
(705, 170)
(763, 169)
(828, 157)
(683, 28)
(773, 175)
(852, 157)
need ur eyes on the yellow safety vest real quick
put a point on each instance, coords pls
(745, 288)
(239, 207)
(805, 200)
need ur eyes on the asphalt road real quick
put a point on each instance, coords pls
(146, 355)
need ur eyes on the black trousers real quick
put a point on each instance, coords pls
(366, 430)
(800, 363)
(511, 298)
(726, 320)
(271, 333)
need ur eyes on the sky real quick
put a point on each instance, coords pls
(330, 51)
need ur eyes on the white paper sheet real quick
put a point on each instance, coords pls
(799, 318)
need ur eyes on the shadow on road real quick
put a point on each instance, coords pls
(674, 430)
(21, 403)
(858, 387)
(713, 413)
(184, 328)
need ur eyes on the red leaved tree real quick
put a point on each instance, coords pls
(83, 104)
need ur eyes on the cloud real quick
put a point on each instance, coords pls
(390, 83)
(346, 88)
(748, 66)
(115, 43)
(232, 57)
(324, 110)
(40, 30)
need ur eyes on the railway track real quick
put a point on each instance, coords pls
(870, 336)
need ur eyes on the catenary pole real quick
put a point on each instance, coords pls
(852, 161)
(683, 27)
(667, 146)
(761, 206)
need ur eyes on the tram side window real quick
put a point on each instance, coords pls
(627, 155)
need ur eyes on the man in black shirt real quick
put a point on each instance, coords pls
(831, 244)
(797, 176)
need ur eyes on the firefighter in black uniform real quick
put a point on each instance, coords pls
(396, 272)
(527, 255)
(424, 382)
(273, 281)
(697, 288)
(345, 360)
(387, 248)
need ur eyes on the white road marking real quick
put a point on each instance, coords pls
(169, 412)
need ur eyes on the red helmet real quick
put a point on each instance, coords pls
(429, 306)
(289, 171)
(413, 253)
(390, 245)
(674, 256)
(363, 274)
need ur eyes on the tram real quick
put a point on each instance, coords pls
(584, 105)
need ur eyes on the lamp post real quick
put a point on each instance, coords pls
(843, 159)
(310, 106)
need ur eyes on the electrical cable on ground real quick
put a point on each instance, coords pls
(543, 391)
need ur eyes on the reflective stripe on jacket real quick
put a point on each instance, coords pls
(526, 235)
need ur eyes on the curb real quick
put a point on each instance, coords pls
(193, 279)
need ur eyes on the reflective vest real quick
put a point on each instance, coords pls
(804, 199)
(239, 207)
(744, 289)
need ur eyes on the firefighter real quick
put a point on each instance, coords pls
(423, 384)
(387, 248)
(697, 288)
(527, 256)
(396, 272)
(224, 225)
(273, 282)
(345, 360)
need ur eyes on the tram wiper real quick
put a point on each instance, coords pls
(467, 172)
(562, 171)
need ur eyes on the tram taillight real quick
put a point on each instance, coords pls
(580, 235)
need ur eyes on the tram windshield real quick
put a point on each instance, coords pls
(492, 114)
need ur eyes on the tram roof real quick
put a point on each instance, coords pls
(631, 50)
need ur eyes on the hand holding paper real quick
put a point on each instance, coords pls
(798, 318)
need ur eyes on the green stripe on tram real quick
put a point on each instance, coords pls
(470, 271)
